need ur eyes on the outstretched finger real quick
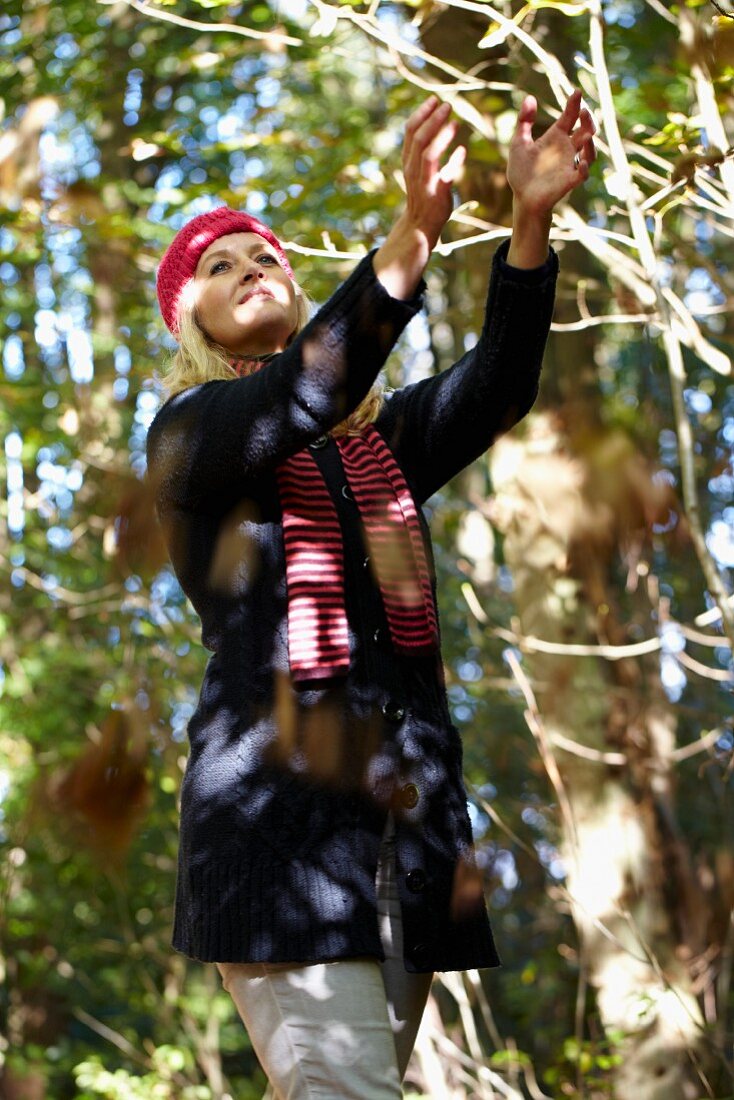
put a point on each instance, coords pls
(417, 141)
(583, 137)
(420, 115)
(584, 158)
(586, 127)
(525, 120)
(570, 114)
(440, 143)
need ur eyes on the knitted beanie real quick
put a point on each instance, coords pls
(182, 255)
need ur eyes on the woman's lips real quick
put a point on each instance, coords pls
(254, 293)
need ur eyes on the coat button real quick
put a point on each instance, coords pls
(415, 880)
(347, 493)
(409, 796)
(366, 562)
(393, 711)
(319, 443)
(377, 635)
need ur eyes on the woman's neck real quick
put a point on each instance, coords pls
(249, 364)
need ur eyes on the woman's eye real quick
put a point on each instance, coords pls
(217, 266)
(268, 257)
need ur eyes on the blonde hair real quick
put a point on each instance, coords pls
(199, 359)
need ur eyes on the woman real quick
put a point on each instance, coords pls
(325, 856)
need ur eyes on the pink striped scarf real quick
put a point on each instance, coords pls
(318, 639)
(318, 636)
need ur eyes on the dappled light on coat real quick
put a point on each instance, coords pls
(236, 557)
(321, 339)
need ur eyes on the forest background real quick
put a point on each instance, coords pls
(585, 563)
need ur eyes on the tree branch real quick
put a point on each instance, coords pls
(275, 37)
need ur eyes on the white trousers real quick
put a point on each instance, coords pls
(338, 1030)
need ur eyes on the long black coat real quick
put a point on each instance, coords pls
(286, 791)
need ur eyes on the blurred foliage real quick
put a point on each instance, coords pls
(116, 127)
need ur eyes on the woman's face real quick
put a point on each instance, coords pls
(245, 301)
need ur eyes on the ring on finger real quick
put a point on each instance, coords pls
(577, 159)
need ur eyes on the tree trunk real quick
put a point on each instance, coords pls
(632, 894)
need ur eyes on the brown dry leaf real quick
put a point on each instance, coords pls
(104, 793)
(236, 556)
(139, 544)
(467, 895)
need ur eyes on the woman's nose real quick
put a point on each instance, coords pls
(251, 270)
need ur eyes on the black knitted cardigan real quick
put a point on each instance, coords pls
(287, 787)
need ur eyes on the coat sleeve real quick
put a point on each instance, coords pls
(438, 426)
(207, 439)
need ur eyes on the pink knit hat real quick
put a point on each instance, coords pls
(182, 255)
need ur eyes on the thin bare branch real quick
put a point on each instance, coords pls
(713, 614)
(663, 193)
(663, 11)
(112, 1036)
(640, 172)
(472, 978)
(603, 319)
(539, 732)
(721, 674)
(274, 36)
(444, 91)
(684, 324)
(455, 985)
(712, 640)
(66, 595)
(648, 153)
(722, 204)
(628, 271)
(614, 759)
(570, 649)
(723, 981)
(531, 644)
(665, 983)
(703, 744)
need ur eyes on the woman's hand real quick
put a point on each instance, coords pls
(400, 262)
(540, 172)
(428, 134)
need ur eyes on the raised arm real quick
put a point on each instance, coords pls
(438, 426)
(401, 260)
